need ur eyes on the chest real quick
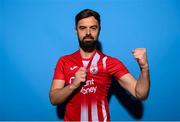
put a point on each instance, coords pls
(97, 71)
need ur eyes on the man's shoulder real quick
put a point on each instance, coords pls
(112, 60)
(107, 57)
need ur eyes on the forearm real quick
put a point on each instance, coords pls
(143, 84)
(58, 96)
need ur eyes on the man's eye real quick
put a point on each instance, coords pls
(81, 28)
(93, 28)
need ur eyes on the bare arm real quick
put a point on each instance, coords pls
(59, 92)
(138, 88)
(143, 84)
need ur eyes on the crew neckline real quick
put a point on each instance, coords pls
(86, 59)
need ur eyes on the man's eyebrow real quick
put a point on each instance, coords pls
(94, 26)
(82, 26)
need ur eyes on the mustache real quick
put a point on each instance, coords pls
(88, 37)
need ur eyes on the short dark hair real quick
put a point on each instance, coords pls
(87, 13)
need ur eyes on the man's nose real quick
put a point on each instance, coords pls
(88, 32)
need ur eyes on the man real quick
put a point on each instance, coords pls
(82, 79)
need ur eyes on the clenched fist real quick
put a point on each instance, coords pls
(80, 76)
(141, 57)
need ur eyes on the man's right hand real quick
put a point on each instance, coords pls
(80, 76)
(59, 92)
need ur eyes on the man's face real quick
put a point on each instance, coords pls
(88, 32)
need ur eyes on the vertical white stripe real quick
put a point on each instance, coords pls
(94, 112)
(94, 67)
(84, 113)
(104, 62)
(104, 112)
(95, 59)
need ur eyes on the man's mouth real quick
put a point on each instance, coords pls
(88, 39)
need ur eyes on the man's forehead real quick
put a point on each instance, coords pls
(89, 21)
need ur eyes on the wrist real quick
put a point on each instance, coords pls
(73, 87)
(144, 67)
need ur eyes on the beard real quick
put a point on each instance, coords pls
(88, 46)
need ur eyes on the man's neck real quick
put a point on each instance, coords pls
(86, 55)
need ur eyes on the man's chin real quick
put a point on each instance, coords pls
(88, 45)
(88, 50)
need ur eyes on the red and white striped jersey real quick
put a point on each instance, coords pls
(89, 102)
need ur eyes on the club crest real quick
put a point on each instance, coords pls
(93, 69)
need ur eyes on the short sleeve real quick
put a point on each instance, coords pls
(116, 68)
(59, 70)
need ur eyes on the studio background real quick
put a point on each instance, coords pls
(35, 33)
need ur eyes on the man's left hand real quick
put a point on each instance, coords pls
(141, 57)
